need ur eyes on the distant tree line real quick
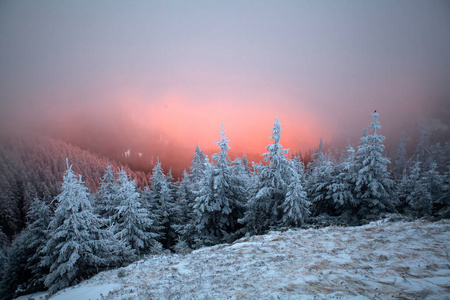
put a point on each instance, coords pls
(104, 215)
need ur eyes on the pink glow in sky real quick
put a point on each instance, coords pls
(159, 77)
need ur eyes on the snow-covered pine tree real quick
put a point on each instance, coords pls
(441, 205)
(198, 168)
(446, 156)
(342, 183)
(404, 189)
(434, 182)
(107, 195)
(320, 177)
(317, 156)
(373, 187)
(299, 167)
(22, 273)
(413, 192)
(421, 190)
(162, 206)
(131, 221)
(203, 204)
(423, 149)
(3, 244)
(78, 245)
(39, 217)
(229, 187)
(241, 179)
(3, 253)
(400, 159)
(263, 210)
(14, 271)
(296, 205)
(167, 212)
(157, 181)
(420, 198)
(218, 205)
(184, 215)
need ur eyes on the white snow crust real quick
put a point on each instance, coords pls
(384, 259)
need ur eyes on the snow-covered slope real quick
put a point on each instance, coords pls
(404, 260)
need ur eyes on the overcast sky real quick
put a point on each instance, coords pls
(139, 73)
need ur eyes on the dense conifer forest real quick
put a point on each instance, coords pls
(66, 214)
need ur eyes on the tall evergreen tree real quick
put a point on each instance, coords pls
(296, 205)
(423, 154)
(107, 195)
(241, 180)
(3, 256)
(434, 183)
(39, 217)
(77, 244)
(413, 193)
(343, 183)
(132, 223)
(14, 271)
(22, 273)
(198, 168)
(190, 186)
(441, 205)
(320, 178)
(373, 187)
(264, 207)
(218, 205)
(340, 192)
(400, 158)
(162, 206)
(184, 225)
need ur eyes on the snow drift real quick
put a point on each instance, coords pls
(376, 261)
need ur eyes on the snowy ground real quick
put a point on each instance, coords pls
(401, 260)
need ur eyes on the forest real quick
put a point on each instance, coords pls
(67, 214)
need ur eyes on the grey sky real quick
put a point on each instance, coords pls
(334, 61)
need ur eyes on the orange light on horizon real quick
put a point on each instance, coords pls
(184, 122)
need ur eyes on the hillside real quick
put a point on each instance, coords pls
(384, 259)
(34, 167)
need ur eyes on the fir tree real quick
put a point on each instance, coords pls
(190, 190)
(434, 183)
(441, 205)
(320, 180)
(39, 217)
(22, 273)
(184, 226)
(218, 206)
(343, 181)
(162, 206)
(205, 210)
(3, 255)
(241, 179)
(14, 272)
(107, 195)
(400, 160)
(131, 221)
(198, 168)
(296, 205)
(373, 188)
(413, 192)
(423, 154)
(77, 244)
(264, 207)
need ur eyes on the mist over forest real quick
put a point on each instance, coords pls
(138, 128)
(49, 188)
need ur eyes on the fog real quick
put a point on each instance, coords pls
(159, 78)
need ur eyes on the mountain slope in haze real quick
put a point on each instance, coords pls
(383, 259)
(33, 167)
